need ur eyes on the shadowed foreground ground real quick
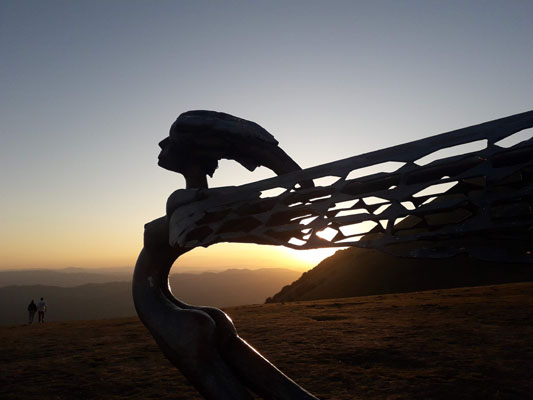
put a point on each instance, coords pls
(471, 343)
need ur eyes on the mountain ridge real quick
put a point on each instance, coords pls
(363, 272)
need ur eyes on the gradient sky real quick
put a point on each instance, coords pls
(88, 89)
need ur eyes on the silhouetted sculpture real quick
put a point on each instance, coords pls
(202, 341)
(485, 211)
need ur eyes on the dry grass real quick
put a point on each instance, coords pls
(470, 343)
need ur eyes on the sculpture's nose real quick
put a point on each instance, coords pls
(164, 143)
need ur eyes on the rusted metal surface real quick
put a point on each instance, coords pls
(477, 201)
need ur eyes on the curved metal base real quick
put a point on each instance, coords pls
(201, 342)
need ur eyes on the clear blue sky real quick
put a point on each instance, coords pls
(88, 88)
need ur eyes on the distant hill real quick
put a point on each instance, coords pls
(232, 287)
(64, 277)
(361, 272)
(113, 299)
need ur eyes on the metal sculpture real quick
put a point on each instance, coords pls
(202, 341)
(476, 202)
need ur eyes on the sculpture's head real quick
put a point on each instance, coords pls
(198, 139)
(181, 158)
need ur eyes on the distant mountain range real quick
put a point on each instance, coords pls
(76, 293)
(109, 299)
(65, 277)
(362, 272)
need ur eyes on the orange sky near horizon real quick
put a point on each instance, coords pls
(106, 234)
(217, 257)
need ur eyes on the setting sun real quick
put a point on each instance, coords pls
(309, 257)
(250, 256)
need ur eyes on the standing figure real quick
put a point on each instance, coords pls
(42, 310)
(32, 308)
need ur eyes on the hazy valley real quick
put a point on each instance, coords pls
(64, 277)
(79, 294)
(109, 296)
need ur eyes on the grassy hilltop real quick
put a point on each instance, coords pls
(468, 343)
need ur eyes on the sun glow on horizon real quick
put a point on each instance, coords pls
(252, 256)
(312, 257)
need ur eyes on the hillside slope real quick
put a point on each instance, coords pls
(362, 272)
(468, 343)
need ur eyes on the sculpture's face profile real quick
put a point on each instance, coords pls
(167, 156)
(165, 150)
(185, 161)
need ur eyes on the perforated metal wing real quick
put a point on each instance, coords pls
(465, 191)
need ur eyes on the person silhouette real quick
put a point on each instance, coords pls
(32, 309)
(42, 309)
